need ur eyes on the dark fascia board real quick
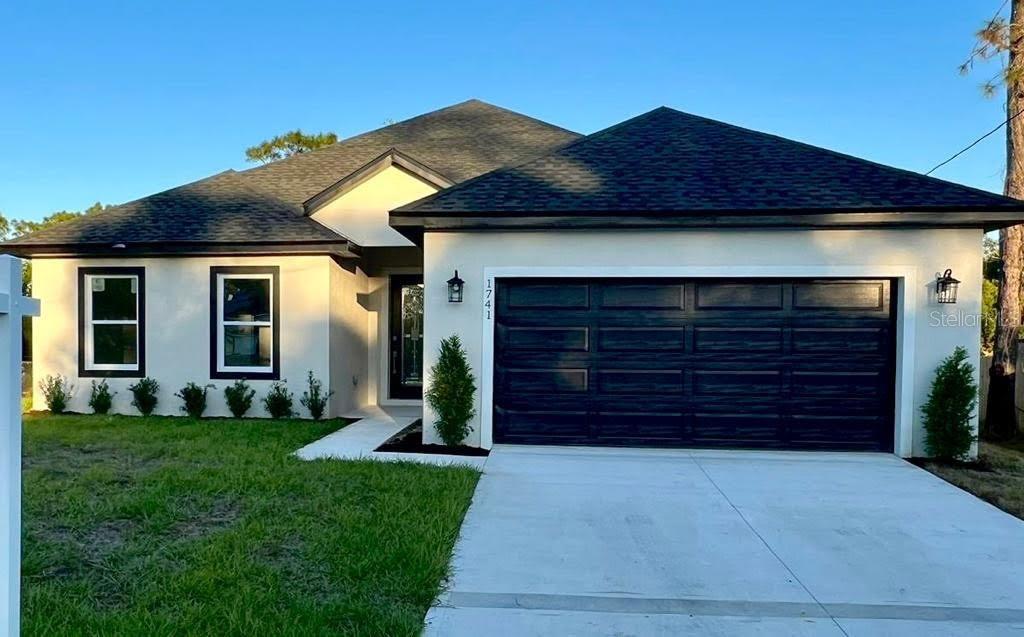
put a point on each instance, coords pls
(341, 249)
(391, 157)
(413, 225)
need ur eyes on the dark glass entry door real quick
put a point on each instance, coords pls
(406, 336)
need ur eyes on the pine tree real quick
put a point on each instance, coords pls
(287, 144)
(1003, 39)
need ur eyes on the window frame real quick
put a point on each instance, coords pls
(88, 369)
(217, 323)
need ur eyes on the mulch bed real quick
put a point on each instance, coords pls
(410, 440)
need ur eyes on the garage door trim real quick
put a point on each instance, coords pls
(905, 279)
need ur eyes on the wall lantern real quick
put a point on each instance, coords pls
(455, 288)
(945, 287)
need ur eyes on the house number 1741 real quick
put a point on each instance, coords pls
(488, 297)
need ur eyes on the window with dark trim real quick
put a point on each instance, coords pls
(112, 322)
(245, 322)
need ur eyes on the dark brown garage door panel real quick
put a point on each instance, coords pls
(671, 362)
(641, 339)
(737, 339)
(661, 296)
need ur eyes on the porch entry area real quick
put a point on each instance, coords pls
(405, 340)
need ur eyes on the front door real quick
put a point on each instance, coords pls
(406, 355)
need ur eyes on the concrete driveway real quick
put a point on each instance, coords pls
(574, 541)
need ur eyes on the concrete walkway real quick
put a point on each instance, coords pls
(573, 541)
(375, 425)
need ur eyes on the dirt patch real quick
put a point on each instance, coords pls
(304, 577)
(997, 477)
(981, 465)
(106, 538)
(410, 440)
(93, 544)
(222, 514)
(62, 461)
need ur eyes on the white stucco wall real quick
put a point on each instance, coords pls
(920, 254)
(349, 340)
(178, 329)
(361, 214)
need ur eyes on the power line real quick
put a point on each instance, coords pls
(975, 142)
(999, 10)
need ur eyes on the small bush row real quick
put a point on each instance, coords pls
(279, 402)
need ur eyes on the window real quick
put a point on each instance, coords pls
(244, 322)
(111, 322)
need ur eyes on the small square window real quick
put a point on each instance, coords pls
(115, 344)
(248, 346)
(246, 300)
(114, 299)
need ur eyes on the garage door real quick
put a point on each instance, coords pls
(792, 364)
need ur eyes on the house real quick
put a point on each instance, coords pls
(668, 281)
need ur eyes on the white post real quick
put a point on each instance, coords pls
(12, 307)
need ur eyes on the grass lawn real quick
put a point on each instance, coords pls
(998, 479)
(171, 526)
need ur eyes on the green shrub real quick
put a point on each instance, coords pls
(194, 397)
(57, 392)
(100, 398)
(451, 391)
(989, 298)
(314, 399)
(278, 401)
(144, 395)
(947, 412)
(239, 397)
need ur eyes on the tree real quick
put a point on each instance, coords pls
(948, 410)
(20, 227)
(451, 390)
(989, 307)
(288, 144)
(1004, 39)
(26, 226)
(991, 263)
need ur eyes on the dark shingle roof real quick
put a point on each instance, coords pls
(668, 161)
(458, 142)
(223, 208)
(264, 204)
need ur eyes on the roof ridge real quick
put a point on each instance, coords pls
(832, 171)
(404, 123)
(707, 121)
(523, 115)
(361, 135)
(504, 169)
(830, 151)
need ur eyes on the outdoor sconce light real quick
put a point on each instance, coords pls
(945, 287)
(455, 288)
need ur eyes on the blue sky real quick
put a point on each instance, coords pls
(113, 101)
